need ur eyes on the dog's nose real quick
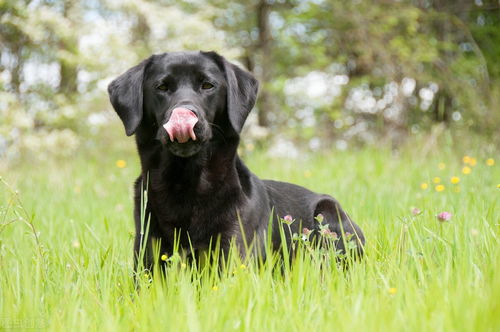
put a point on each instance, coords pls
(187, 105)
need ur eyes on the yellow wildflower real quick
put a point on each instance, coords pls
(121, 163)
(466, 159)
(490, 161)
(393, 290)
(215, 288)
(243, 266)
(439, 188)
(466, 170)
(455, 179)
(473, 162)
(441, 166)
(164, 257)
(436, 179)
(424, 186)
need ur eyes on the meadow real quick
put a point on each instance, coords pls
(66, 238)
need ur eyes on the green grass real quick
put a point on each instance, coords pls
(418, 274)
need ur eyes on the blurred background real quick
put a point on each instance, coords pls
(334, 74)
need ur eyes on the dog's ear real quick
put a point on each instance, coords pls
(125, 94)
(242, 90)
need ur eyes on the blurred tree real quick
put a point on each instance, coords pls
(484, 23)
(57, 56)
(15, 41)
(42, 32)
(482, 18)
(380, 42)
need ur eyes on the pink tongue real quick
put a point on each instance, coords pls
(181, 125)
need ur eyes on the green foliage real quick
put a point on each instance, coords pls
(382, 43)
(484, 28)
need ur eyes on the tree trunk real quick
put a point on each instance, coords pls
(265, 46)
(141, 34)
(17, 70)
(68, 69)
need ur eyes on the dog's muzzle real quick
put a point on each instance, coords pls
(181, 124)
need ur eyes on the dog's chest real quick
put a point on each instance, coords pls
(199, 201)
(201, 215)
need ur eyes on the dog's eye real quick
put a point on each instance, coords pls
(207, 85)
(162, 87)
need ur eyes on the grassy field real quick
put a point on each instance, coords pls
(66, 249)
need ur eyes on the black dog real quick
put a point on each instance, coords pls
(187, 110)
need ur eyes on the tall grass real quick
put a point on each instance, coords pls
(66, 239)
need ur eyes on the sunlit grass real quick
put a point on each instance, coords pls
(66, 250)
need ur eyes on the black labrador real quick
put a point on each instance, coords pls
(187, 110)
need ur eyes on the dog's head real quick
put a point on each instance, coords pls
(186, 99)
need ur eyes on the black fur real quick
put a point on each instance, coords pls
(200, 189)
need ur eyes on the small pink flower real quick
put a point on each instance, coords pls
(324, 231)
(288, 219)
(306, 231)
(328, 233)
(444, 216)
(416, 211)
